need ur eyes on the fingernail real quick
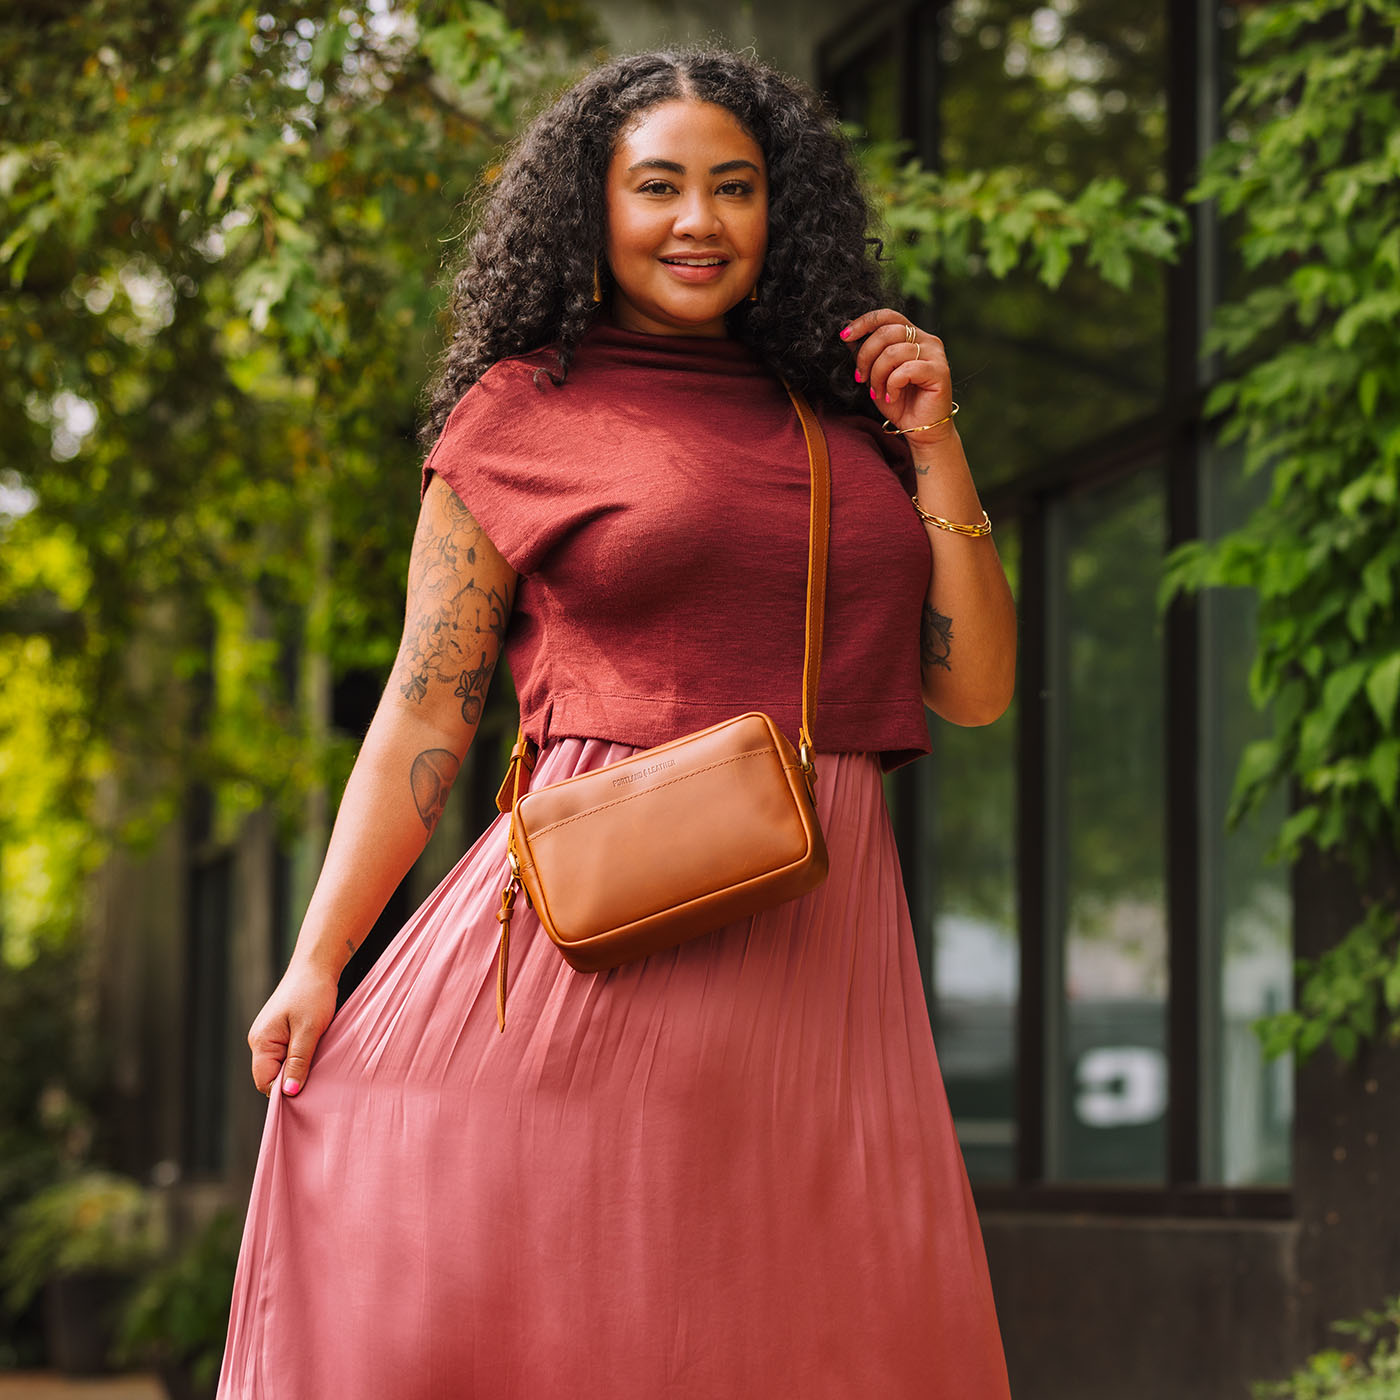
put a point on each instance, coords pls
(846, 335)
(872, 393)
(290, 1086)
(887, 398)
(858, 378)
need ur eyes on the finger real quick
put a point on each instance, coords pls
(920, 377)
(269, 1050)
(902, 365)
(298, 1062)
(863, 324)
(881, 338)
(922, 366)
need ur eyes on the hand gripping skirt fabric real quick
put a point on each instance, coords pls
(725, 1173)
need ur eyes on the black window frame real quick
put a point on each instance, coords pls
(1175, 435)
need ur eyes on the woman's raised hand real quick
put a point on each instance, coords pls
(284, 1036)
(906, 370)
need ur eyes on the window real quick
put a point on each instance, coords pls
(1096, 943)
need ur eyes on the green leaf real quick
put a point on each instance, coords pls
(1368, 390)
(1257, 765)
(1344, 1042)
(1381, 308)
(1297, 826)
(1340, 689)
(1383, 688)
(1385, 769)
(1378, 578)
(1391, 987)
(1221, 397)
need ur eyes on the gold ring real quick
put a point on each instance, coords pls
(911, 333)
(918, 350)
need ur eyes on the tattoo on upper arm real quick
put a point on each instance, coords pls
(936, 638)
(431, 778)
(449, 612)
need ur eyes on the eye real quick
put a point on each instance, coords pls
(736, 187)
(656, 187)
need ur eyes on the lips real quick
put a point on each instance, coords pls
(695, 260)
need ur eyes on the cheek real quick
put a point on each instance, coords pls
(758, 232)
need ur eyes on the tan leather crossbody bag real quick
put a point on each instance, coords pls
(675, 841)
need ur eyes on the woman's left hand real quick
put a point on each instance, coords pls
(905, 367)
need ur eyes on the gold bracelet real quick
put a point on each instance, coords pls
(923, 427)
(983, 526)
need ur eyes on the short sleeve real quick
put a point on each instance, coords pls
(489, 454)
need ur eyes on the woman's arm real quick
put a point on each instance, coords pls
(968, 636)
(460, 593)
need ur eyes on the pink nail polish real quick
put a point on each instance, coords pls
(846, 335)
(872, 393)
(290, 1086)
(887, 398)
(858, 378)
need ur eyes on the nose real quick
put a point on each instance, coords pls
(697, 216)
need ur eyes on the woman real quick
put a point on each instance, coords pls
(728, 1170)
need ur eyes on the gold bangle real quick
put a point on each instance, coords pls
(923, 427)
(983, 526)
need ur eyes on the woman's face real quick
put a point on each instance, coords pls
(687, 207)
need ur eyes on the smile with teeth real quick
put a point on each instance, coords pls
(696, 261)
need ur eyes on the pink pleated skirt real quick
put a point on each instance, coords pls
(725, 1173)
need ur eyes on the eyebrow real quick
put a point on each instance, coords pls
(654, 163)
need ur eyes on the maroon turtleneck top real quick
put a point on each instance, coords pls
(655, 507)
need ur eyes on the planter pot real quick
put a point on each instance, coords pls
(80, 1320)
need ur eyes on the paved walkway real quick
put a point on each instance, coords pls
(47, 1385)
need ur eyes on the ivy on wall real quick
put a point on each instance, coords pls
(1308, 178)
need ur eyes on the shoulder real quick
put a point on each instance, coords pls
(519, 381)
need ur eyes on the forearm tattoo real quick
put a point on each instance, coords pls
(449, 613)
(431, 778)
(936, 638)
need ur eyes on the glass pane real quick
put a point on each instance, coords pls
(866, 92)
(1065, 92)
(1247, 960)
(1107, 1073)
(967, 818)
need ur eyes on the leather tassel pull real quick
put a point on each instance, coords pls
(503, 914)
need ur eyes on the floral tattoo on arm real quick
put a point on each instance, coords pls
(936, 638)
(450, 613)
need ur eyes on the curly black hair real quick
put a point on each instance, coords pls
(525, 279)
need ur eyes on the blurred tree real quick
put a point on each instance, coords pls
(221, 231)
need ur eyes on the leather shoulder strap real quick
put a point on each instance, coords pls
(818, 539)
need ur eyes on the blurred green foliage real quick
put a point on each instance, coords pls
(94, 1222)
(1309, 173)
(1368, 1369)
(222, 230)
(178, 1315)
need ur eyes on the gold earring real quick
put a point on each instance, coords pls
(753, 292)
(597, 288)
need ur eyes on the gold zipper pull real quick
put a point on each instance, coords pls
(503, 915)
